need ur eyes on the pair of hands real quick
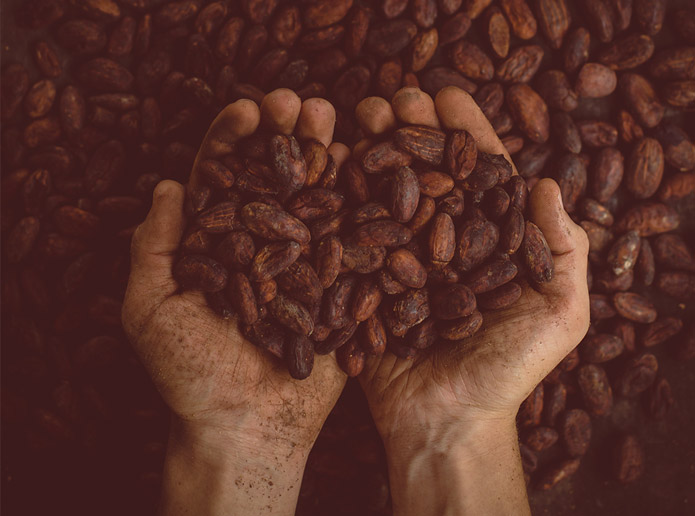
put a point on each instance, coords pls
(242, 428)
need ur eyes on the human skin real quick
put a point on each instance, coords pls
(448, 419)
(241, 427)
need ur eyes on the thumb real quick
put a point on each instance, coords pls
(152, 251)
(568, 243)
(548, 213)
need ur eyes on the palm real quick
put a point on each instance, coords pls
(492, 369)
(206, 370)
(488, 374)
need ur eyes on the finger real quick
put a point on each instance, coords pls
(340, 153)
(457, 110)
(152, 254)
(569, 245)
(562, 234)
(236, 121)
(156, 240)
(316, 120)
(375, 116)
(280, 111)
(414, 106)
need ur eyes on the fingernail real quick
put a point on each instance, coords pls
(559, 198)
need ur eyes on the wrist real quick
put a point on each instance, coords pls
(463, 440)
(433, 431)
(468, 468)
(234, 442)
(255, 431)
(222, 470)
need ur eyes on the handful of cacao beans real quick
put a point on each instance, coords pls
(402, 248)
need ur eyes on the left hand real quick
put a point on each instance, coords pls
(458, 402)
(488, 375)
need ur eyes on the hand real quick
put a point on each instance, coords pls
(238, 417)
(456, 407)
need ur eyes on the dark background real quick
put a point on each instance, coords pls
(65, 477)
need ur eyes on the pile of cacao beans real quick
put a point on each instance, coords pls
(101, 99)
(381, 219)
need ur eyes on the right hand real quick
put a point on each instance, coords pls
(236, 411)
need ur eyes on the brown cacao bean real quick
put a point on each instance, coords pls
(628, 459)
(537, 254)
(272, 259)
(634, 307)
(199, 272)
(637, 375)
(595, 390)
(575, 429)
(529, 111)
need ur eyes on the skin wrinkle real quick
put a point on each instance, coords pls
(409, 380)
(236, 366)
